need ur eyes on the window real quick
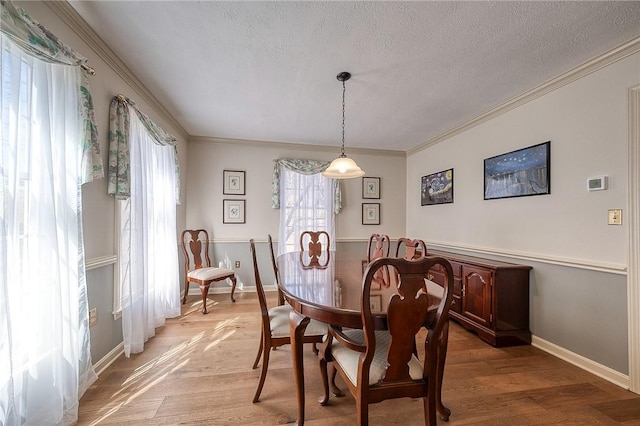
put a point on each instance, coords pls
(44, 335)
(306, 204)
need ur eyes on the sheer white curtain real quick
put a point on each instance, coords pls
(148, 250)
(306, 204)
(45, 360)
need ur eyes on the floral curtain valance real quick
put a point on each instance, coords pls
(37, 41)
(119, 177)
(305, 167)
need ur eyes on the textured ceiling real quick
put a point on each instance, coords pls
(267, 70)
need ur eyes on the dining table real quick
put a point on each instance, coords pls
(328, 288)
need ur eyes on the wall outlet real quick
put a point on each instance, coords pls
(237, 263)
(93, 317)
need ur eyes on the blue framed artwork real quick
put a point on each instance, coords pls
(519, 173)
(437, 188)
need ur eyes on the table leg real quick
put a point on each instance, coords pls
(298, 325)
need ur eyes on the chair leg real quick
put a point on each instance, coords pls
(324, 377)
(255, 363)
(335, 390)
(430, 406)
(233, 287)
(263, 373)
(186, 291)
(204, 289)
(362, 415)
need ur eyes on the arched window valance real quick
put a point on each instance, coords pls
(119, 183)
(305, 167)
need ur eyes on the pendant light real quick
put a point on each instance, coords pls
(343, 167)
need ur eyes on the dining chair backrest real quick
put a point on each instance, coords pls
(312, 241)
(262, 298)
(379, 246)
(413, 248)
(385, 365)
(195, 247)
(275, 269)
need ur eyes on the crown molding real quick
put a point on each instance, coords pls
(295, 146)
(614, 55)
(78, 25)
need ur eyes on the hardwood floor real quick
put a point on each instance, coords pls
(197, 371)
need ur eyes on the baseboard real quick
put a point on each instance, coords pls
(108, 359)
(586, 364)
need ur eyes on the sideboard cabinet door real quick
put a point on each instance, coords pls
(476, 294)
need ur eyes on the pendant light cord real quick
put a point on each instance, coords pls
(343, 94)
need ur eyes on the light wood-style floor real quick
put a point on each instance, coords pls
(197, 371)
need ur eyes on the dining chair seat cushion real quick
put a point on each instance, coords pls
(279, 322)
(211, 273)
(348, 358)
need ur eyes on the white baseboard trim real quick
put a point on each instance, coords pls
(592, 367)
(108, 359)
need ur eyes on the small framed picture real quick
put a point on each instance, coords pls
(371, 213)
(233, 182)
(233, 211)
(437, 188)
(371, 187)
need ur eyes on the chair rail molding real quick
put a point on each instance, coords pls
(633, 275)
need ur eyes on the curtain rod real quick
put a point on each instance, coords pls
(88, 69)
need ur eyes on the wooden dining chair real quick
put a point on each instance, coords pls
(312, 241)
(314, 249)
(411, 248)
(275, 326)
(380, 364)
(275, 269)
(379, 246)
(197, 265)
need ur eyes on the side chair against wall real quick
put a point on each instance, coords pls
(197, 265)
(382, 364)
(275, 326)
(413, 249)
(275, 269)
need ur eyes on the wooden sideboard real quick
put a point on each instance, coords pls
(490, 298)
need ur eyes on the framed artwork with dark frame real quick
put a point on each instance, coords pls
(519, 173)
(371, 213)
(437, 188)
(233, 182)
(233, 211)
(371, 188)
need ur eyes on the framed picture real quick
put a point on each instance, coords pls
(233, 182)
(371, 213)
(520, 173)
(233, 211)
(371, 187)
(437, 188)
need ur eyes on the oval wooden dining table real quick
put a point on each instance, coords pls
(328, 289)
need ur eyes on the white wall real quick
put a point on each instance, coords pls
(578, 291)
(586, 122)
(98, 207)
(208, 158)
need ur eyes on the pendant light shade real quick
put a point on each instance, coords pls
(343, 167)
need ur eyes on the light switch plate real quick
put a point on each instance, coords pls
(615, 216)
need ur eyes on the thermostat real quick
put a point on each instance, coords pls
(597, 183)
